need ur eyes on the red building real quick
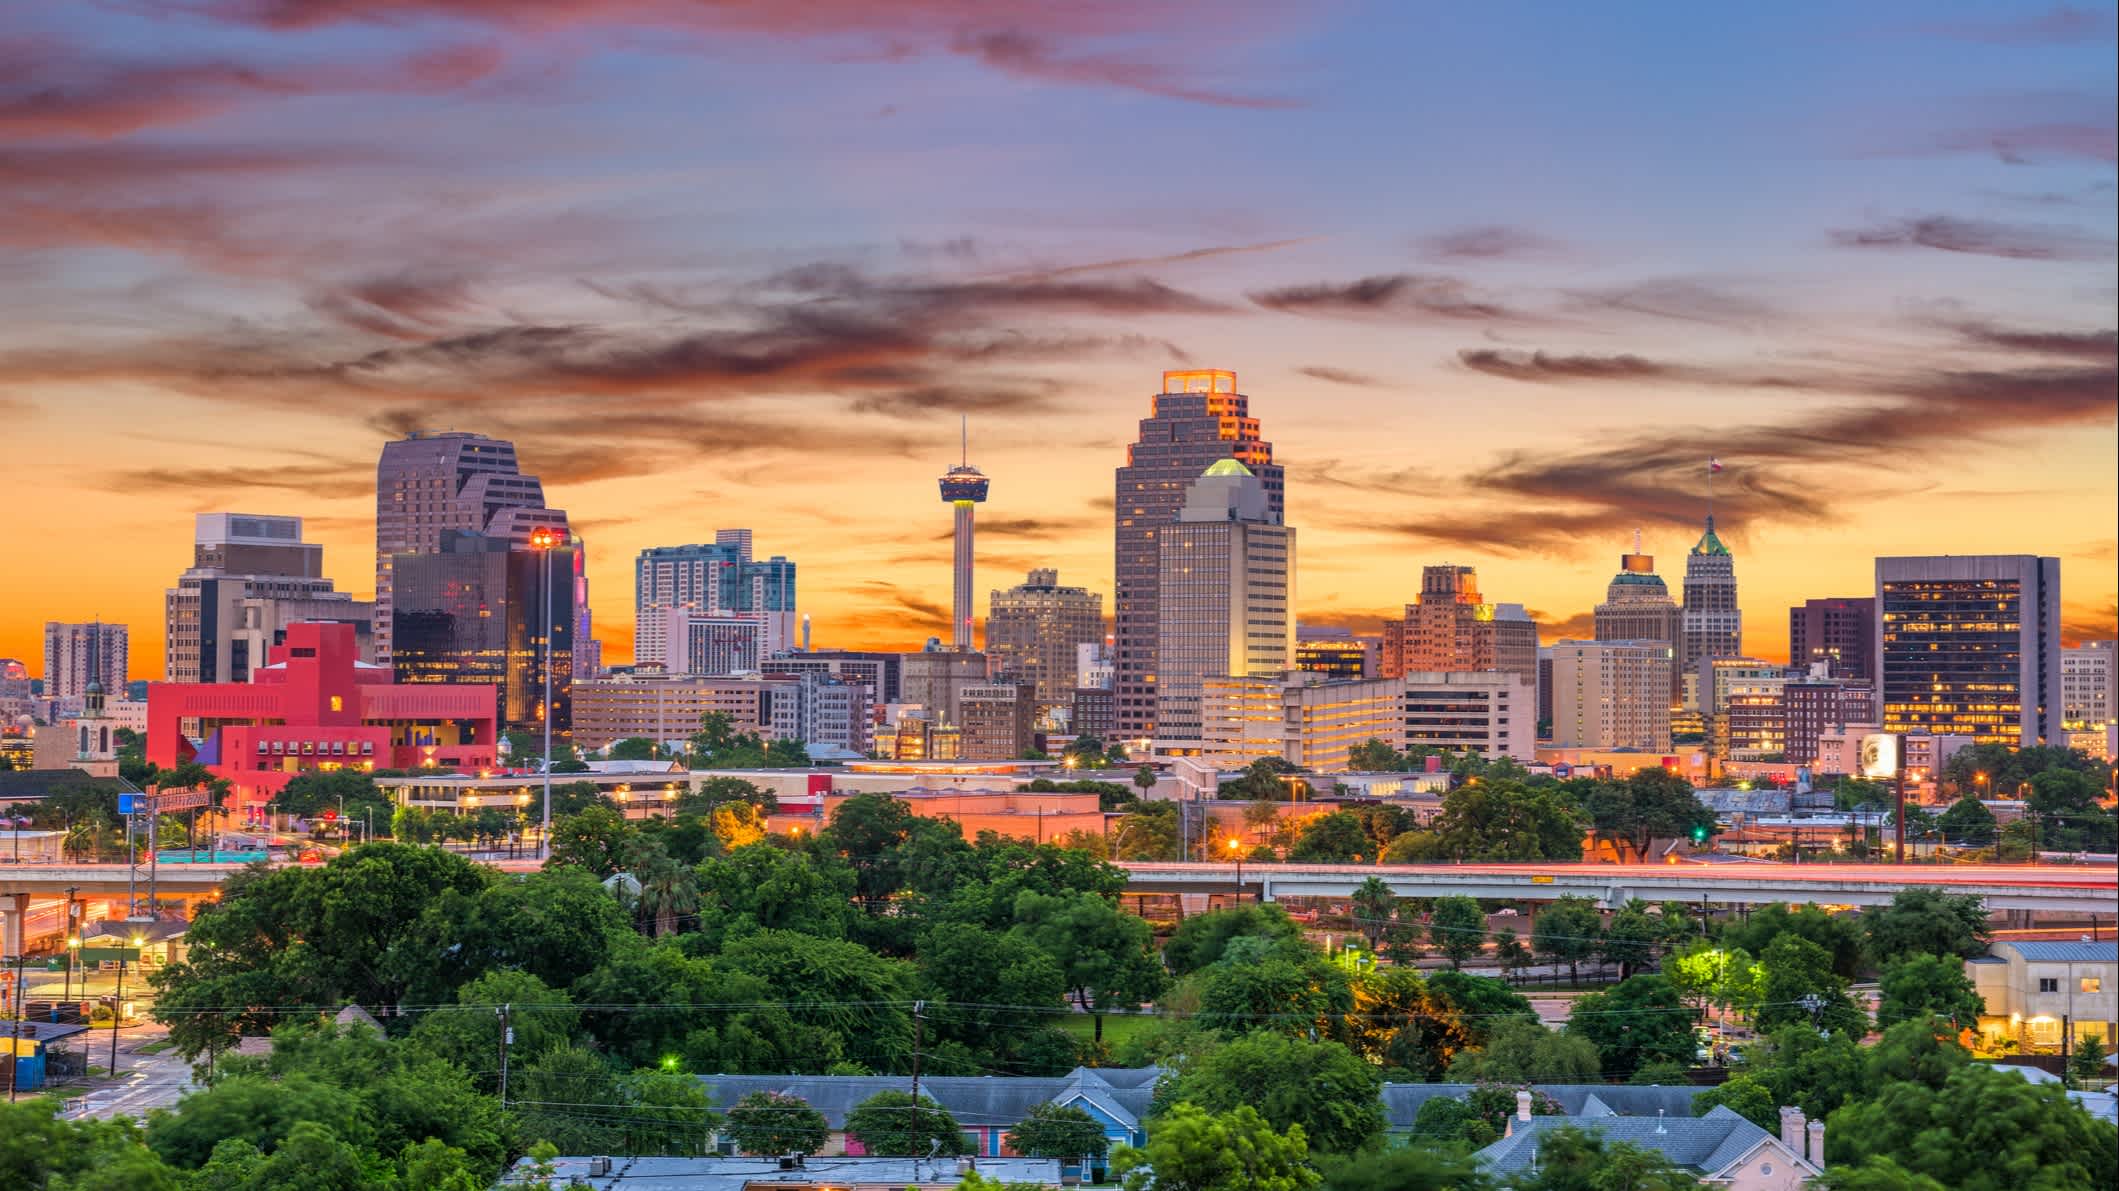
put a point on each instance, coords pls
(316, 707)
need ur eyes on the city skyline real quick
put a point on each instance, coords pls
(1864, 259)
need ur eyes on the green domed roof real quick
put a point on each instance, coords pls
(1636, 579)
(1228, 467)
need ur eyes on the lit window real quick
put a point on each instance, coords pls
(2092, 984)
(338, 703)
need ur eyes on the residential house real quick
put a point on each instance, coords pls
(1722, 1148)
(2035, 991)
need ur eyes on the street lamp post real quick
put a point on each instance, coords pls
(542, 540)
(117, 1005)
(1236, 852)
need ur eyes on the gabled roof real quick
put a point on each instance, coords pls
(1402, 1101)
(1705, 1145)
(976, 1101)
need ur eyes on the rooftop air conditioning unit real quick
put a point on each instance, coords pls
(599, 1167)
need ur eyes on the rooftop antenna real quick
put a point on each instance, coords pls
(964, 435)
(1636, 539)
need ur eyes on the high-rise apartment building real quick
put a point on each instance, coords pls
(1224, 601)
(474, 611)
(251, 576)
(719, 579)
(1713, 625)
(1034, 631)
(2086, 684)
(1451, 628)
(1303, 718)
(1198, 419)
(76, 655)
(1637, 607)
(936, 678)
(1969, 645)
(1611, 695)
(1488, 712)
(997, 719)
(706, 643)
(429, 486)
(1839, 631)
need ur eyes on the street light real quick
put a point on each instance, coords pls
(543, 540)
(1236, 851)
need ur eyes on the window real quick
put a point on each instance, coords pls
(2048, 984)
(2092, 984)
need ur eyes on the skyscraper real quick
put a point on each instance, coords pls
(1198, 419)
(251, 576)
(76, 655)
(964, 488)
(1637, 607)
(1450, 629)
(717, 579)
(428, 486)
(474, 612)
(1713, 626)
(1225, 594)
(1969, 645)
(1034, 631)
(1611, 695)
(2086, 684)
(1839, 631)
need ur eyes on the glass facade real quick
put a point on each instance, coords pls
(1953, 656)
(474, 612)
(1197, 420)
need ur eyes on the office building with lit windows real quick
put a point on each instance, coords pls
(1035, 631)
(2086, 684)
(251, 576)
(1712, 625)
(997, 721)
(1336, 653)
(1304, 718)
(1969, 645)
(1611, 695)
(719, 578)
(474, 612)
(1491, 713)
(1224, 598)
(430, 486)
(1198, 419)
(1450, 627)
(1839, 631)
(1637, 607)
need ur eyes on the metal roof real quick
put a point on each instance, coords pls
(2075, 953)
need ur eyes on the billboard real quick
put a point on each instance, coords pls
(1879, 755)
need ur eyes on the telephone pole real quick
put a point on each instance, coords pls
(919, 1038)
(507, 1035)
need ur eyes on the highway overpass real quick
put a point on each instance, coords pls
(2063, 890)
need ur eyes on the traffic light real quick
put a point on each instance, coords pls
(1699, 834)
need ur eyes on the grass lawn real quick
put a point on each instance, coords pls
(1118, 1027)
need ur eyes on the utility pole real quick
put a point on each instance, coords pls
(14, 1050)
(919, 1038)
(507, 1035)
(1900, 825)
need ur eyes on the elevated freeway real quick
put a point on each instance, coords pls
(2065, 890)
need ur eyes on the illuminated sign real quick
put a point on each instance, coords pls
(1879, 755)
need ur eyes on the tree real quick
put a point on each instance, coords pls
(1643, 1020)
(892, 1124)
(1920, 987)
(1321, 1088)
(1501, 819)
(1374, 905)
(1794, 969)
(1107, 956)
(1482, 1002)
(1296, 992)
(1405, 1168)
(1982, 1130)
(634, 748)
(1400, 1024)
(1652, 804)
(1632, 938)
(1520, 1050)
(541, 1016)
(1147, 831)
(1145, 779)
(1048, 1130)
(1875, 1174)
(774, 1123)
(1570, 929)
(593, 839)
(842, 990)
(1968, 823)
(988, 986)
(1458, 927)
(1509, 950)
(2085, 1068)
(1201, 939)
(1337, 838)
(1839, 935)
(571, 1097)
(1374, 756)
(668, 891)
(1744, 1094)
(1928, 922)
(1190, 1150)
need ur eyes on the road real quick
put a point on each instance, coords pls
(145, 1081)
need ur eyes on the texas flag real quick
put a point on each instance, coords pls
(1714, 466)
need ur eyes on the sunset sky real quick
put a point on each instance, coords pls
(1498, 280)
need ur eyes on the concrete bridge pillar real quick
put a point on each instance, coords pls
(16, 906)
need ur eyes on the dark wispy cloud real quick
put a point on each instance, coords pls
(1548, 366)
(50, 89)
(316, 480)
(1680, 299)
(1170, 258)
(401, 306)
(907, 608)
(1977, 237)
(2089, 622)
(1338, 376)
(1489, 242)
(2018, 129)
(1554, 626)
(1040, 529)
(2083, 345)
(1160, 49)
(1398, 295)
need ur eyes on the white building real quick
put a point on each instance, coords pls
(1492, 713)
(712, 643)
(2086, 684)
(2035, 991)
(1611, 695)
(1302, 718)
(1224, 600)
